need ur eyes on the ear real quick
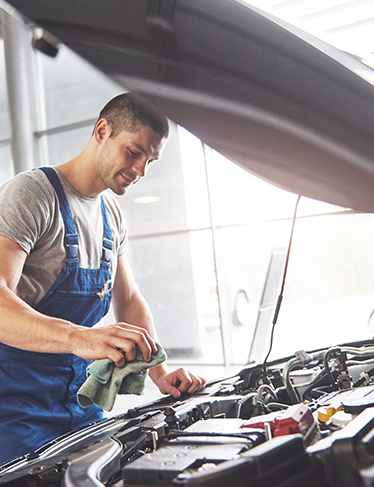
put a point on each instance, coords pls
(102, 130)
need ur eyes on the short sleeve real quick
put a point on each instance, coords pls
(25, 207)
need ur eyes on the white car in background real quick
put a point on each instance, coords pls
(237, 295)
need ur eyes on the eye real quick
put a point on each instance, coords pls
(134, 154)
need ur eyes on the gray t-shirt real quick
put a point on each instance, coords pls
(30, 216)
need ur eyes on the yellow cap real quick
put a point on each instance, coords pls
(325, 413)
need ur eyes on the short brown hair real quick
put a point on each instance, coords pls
(124, 113)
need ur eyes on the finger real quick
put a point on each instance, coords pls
(143, 335)
(197, 383)
(144, 332)
(170, 389)
(183, 380)
(129, 350)
(126, 335)
(117, 357)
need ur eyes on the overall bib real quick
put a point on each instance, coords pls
(38, 390)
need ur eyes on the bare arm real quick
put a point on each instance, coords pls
(130, 307)
(23, 327)
(20, 325)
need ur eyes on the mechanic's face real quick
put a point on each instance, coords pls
(126, 158)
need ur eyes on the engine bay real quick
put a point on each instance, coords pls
(308, 419)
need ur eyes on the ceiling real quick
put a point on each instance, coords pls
(345, 24)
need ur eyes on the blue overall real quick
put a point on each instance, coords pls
(38, 390)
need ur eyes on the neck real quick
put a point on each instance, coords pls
(80, 174)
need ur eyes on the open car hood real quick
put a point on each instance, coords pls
(278, 102)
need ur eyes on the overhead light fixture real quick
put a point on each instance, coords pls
(144, 200)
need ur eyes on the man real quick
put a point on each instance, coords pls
(62, 260)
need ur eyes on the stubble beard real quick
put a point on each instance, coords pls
(112, 182)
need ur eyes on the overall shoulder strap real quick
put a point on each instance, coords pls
(71, 236)
(107, 237)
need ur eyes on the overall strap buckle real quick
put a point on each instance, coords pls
(71, 245)
(106, 289)
(106, 257)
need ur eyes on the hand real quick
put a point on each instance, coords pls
(105, 342)
(178, 381)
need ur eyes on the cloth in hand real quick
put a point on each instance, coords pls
(105, 380)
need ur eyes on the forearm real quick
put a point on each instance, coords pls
(23, 327)
(137, 312)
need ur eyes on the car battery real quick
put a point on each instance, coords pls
(201, 446)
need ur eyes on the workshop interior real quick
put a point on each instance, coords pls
(251, 239)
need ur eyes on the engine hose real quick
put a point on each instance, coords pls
(276, 406)
(326, 363)
(290, 365)
(267, 389)
(321, 391)
(240, 402)
(361, 381)
(368, 351)
(319, 380)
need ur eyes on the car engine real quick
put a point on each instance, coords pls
(306, 420)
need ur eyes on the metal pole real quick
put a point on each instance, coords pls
(18, 54)
(219, 263)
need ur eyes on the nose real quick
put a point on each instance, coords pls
(139, 167)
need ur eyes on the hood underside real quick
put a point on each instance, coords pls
(279, 103)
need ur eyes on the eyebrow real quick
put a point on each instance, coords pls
(141, 148)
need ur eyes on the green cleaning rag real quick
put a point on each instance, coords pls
(105, 380)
